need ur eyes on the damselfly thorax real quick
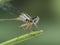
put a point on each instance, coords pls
(33, 20)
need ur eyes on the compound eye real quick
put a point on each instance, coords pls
(35, 20)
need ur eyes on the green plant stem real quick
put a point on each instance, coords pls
(21, 38)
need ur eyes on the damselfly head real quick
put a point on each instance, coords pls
(35, 19)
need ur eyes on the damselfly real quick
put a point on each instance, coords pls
(29, 21)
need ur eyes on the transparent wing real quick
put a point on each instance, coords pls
(29, 16)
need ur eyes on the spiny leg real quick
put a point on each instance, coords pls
(30, 27)
(26, 27)
(23, 25)
(36, 26)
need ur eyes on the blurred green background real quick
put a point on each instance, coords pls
(47, 10)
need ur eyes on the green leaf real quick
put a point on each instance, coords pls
(22, 38)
